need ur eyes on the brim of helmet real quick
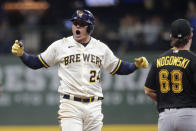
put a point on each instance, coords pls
(79, 20)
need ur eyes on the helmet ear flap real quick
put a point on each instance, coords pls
(90, 29)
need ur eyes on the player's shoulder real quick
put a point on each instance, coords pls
(61, 41)
(68, 39)
(162, 54)
(193, 54)
(167, 52)
(98, 43)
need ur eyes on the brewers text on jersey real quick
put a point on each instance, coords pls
(83, 58)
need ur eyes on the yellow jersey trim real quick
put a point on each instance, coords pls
(42, 61)
(174, 48)
(148, 89)
(117, 67)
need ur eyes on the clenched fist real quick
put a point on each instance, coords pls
(141, 62)
(18, 48)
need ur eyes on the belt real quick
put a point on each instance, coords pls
(163, 109)
(86, 100)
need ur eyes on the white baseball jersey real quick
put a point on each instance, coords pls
(78, 66)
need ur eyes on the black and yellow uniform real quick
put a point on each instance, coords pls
(171, 81)
(173, 78)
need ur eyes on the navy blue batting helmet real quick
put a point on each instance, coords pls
(86, 16)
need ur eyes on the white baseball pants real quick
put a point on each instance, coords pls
(79, 116)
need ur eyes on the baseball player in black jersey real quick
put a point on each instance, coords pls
(171, 81)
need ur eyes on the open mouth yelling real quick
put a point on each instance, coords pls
(78, 33)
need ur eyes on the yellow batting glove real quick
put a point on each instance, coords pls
(141, 62)
(18, 48)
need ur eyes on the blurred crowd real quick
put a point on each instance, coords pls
(123, 32)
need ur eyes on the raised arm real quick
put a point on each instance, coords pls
(32, 61)
(127, 68)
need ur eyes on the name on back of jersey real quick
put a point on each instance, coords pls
(172, 61)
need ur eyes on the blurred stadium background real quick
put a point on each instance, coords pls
(131, 28)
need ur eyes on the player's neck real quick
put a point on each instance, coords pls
(85, 40)
(186, 47)
(85, 43)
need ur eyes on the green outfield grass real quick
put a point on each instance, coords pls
(105, 128)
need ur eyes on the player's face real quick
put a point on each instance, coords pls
(79, 30)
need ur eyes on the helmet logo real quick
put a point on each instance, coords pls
(80, 13)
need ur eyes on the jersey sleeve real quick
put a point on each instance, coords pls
(111, 62)
(48, 57)
(150, 83)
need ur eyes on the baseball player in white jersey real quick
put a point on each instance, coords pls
(80, 59)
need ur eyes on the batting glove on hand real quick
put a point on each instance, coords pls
(18, 48)
(141, 62)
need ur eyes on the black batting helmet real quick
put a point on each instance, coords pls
(86, 16)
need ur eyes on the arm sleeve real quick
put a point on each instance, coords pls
(126, 68)
(31, 61)
(48, 57)
(111, 62)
